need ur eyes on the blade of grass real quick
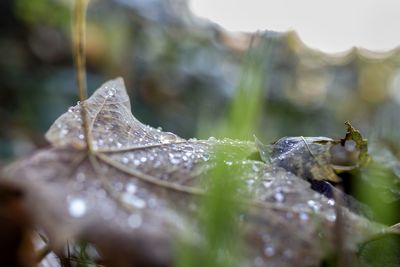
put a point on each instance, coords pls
(248, 100)
(219, 215)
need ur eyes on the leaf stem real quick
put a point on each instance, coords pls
(79, 46)
(79, 34)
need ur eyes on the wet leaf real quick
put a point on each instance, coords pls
(307, 157)
(135, 190)
(361, 144)
(317, 158)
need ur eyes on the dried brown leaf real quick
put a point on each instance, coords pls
(137, 191)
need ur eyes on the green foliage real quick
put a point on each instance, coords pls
(246, 106)
(220, 209)
(377, 187)
(218, 216)
(83, 257)
(47, 12)
(381, 252)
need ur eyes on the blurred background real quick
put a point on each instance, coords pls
(182, 71)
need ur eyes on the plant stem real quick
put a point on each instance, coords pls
(79, 46)
(80, 62)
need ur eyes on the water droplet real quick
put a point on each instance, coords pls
(303, 216)
(175, 161)
(125, 160)
(331, 202)
(134, 201)
(81, 136)
(206, 157)
(255, 168)
(111, 92)
(131, 188)
(331, 216)
(350, 145)
(64, 132)
(269, 251)
(229, 163)
(77, 207)
(135, 221)
(100, 142)
(279, 196)
(173, 158)
(167, 138)
(212, 139)
(314, 205)
(139, 203)
(267, 184)
(143, 159)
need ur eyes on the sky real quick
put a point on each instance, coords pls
(330, 26)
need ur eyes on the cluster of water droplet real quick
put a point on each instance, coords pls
(291, 207)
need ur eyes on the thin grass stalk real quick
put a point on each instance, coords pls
(79, 44)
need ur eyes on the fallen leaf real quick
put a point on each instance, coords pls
(136, 190)
(307, 157)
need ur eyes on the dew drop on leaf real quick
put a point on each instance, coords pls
(133, 200)
(77, 207)
(314, 205)
(269, 251)
(331, 216)
(167, 138)
(135, 221)
(303, 216)
(279, 196)
(111, 92)
(131, 188)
